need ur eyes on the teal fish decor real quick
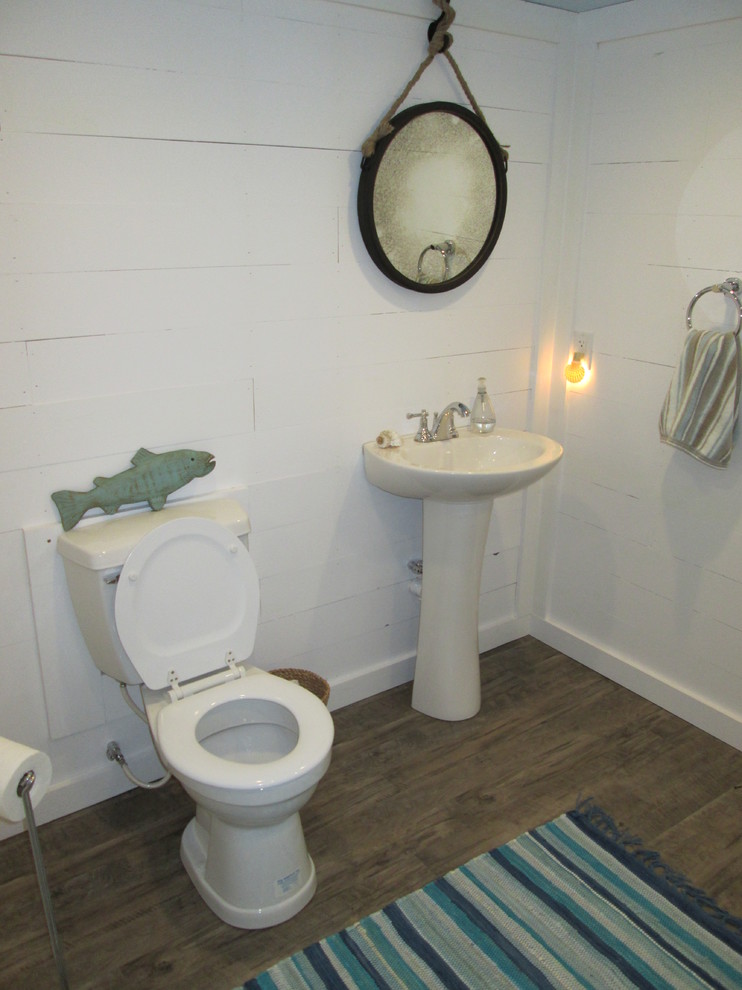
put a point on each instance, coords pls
(151, 480)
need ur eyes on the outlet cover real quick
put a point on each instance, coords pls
(582, 343)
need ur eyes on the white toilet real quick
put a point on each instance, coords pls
(169, 600)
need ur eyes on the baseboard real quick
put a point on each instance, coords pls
(401, 670)
(370, 681)
(631, 674)
(108, 780)
(502, 631)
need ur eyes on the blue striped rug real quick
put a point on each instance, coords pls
(571, 904)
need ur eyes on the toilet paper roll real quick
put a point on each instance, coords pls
(15, 760)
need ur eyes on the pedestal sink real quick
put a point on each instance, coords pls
(458, 480)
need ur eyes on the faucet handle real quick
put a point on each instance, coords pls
(423, 434)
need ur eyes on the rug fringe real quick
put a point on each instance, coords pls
(592, 814)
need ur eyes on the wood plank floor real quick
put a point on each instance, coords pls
(406, 799)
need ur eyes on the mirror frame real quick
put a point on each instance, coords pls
(369, 170)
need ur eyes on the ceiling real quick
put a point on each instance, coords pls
(577, 6)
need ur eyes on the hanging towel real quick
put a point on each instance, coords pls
(700, 410)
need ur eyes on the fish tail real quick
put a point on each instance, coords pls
(71, 506)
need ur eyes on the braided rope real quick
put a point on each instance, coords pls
(440, 42)
(464, 85)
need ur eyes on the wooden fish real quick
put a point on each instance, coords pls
(151, 480)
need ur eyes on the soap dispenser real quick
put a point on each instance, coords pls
(483, 412)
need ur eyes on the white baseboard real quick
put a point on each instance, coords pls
(631, 674)
(105, 781)
(373, 680)
(502, 631)
(401, 670)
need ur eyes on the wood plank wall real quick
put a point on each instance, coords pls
(180, 266)
(647, 565)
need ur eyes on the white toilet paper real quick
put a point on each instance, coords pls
(15, 760)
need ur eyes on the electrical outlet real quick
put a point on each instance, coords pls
(582, 343)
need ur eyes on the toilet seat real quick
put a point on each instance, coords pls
(177, 725)
(187, 596)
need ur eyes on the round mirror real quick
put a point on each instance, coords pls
(432, 197)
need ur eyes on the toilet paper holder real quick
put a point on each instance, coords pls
(24, 793)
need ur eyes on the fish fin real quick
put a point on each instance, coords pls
(71, 506)
(142, 456)
(157, 502)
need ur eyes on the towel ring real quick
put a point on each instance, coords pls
(730, 287)
(447, 249)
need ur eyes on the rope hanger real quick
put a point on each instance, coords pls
(440, 42)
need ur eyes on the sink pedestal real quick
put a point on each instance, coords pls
(447, 677)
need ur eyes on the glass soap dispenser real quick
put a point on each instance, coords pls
(483, 412)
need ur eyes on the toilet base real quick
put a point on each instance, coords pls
(249, 877)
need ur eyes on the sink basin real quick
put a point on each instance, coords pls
(458, 481)
(473, 466)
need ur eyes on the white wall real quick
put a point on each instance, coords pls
(645, 581)
(180, 265)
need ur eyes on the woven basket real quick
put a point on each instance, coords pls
(306, 679)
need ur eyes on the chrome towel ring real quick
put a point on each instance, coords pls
(730, 287)
(447, 249)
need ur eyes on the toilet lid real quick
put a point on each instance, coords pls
(187, 596)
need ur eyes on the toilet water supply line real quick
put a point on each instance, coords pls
(115, 755)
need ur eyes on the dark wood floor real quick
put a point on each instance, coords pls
(406, 799)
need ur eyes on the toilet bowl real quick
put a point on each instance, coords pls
(170, 601)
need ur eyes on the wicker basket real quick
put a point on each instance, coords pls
(306, 679)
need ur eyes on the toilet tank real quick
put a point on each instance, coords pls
(93, 556)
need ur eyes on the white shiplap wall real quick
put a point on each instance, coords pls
(180, 266)
(646, 577)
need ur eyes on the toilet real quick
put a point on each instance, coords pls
(169, 601)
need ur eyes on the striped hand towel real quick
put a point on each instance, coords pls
(700, 410)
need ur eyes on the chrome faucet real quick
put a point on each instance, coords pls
(443, 426)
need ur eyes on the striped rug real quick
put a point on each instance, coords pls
(572, 904)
